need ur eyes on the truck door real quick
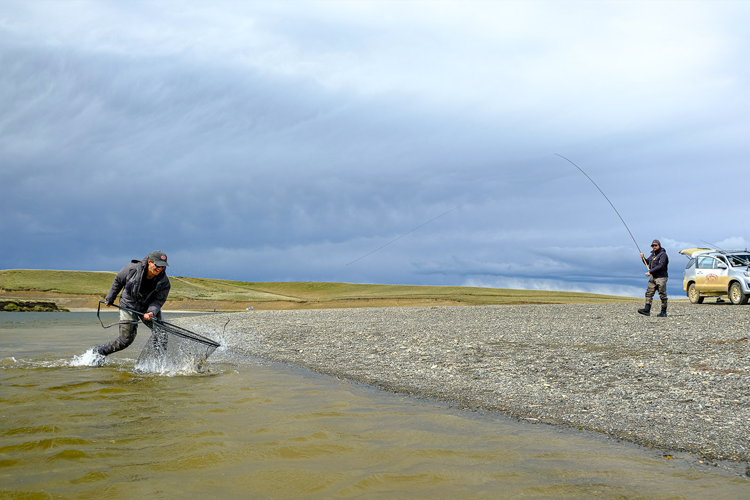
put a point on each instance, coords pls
(722, 275)
(703, 269)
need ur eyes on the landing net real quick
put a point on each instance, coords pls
(174, 349)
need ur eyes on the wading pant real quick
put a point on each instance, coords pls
(655, 284)
(128, 330)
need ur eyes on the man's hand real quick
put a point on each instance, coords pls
(648, 274)
(148, 316)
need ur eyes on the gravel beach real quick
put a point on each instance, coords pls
(680, 383)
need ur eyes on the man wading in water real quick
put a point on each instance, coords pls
(657, 271)
(145, 287)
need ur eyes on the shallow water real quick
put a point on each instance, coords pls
(248, 429)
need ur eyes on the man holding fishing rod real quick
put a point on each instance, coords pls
(657, 264)
(145, 288)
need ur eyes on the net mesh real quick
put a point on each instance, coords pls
(174, 349)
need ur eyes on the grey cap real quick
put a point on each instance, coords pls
(158, 258)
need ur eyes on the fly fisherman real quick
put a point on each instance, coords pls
(657, 271)
(145, 288)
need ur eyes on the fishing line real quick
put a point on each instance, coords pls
(610, 203)
(396, 239)
(405, 234)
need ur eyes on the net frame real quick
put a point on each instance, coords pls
(185, 333)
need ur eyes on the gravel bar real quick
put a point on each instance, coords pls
(680, 383)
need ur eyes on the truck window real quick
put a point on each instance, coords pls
(706, 262)
(739, 260)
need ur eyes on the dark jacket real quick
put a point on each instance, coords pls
(657, 263)
(129, 280)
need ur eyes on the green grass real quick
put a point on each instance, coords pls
(77, 282)
(98, 283)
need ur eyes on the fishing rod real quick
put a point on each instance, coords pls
(611, 204)
(726, 252)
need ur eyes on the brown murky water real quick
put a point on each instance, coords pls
(248, 429)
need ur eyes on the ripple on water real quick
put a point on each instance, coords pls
(42, 444)
(67, 455)
(31, 430)
(90, 477)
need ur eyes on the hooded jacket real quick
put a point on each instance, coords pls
(129, 280)
(658, 262)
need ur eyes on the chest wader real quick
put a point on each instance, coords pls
(128, 330)
(129, 325)
(655, 284)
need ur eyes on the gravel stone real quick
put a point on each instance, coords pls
(679, 383)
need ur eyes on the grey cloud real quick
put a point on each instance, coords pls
(263, 142)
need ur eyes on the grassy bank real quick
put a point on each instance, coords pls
(84, 288)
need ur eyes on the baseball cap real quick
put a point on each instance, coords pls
(158, 258)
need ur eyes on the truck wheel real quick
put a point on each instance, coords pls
(736, 295)
(694, 295)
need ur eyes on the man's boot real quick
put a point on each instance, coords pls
(646, 311)
(663, 313)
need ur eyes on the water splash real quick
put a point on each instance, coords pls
(166, 353)
(188, 364)
(8, 362)
(88, 358)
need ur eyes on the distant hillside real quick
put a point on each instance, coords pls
(87, 287)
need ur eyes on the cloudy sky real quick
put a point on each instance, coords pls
(284, 141)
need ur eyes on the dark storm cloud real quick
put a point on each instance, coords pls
(281, 141)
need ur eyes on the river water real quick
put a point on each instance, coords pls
(250, 429)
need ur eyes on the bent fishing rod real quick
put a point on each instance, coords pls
(611, 204)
